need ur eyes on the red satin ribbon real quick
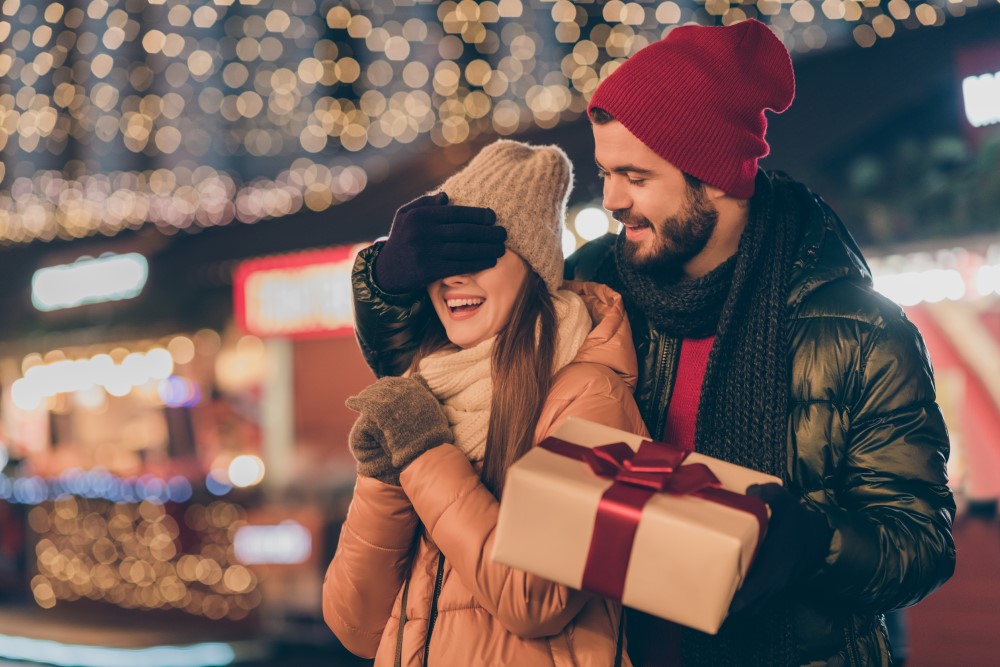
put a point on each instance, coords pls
(638, 476)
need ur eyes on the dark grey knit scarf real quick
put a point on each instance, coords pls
(743, 412)
(684, 308)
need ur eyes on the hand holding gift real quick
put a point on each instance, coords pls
(400, 420)
(797, 541)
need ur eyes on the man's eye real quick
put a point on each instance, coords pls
(636, 181)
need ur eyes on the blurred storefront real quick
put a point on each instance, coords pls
(202, 471)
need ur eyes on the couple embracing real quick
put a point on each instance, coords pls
(733, 315)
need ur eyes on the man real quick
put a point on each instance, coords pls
(760, 341)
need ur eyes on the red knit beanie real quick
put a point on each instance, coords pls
(697, 99)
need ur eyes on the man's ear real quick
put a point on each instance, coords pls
(717, 196)
(713, 193)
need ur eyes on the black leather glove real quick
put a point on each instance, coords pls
(403, 417)
(796, 543)
(430, 240)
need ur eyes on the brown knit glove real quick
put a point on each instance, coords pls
(403, 418)
(366, 446)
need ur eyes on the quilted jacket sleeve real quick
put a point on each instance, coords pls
(893, 509)
(388, 327)
(460, 514)
(370, 564)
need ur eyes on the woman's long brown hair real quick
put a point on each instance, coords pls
(522, 376)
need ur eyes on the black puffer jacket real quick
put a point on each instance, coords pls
(867, 444)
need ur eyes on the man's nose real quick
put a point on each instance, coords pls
(616, 195)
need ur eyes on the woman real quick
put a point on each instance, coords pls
(510, 353)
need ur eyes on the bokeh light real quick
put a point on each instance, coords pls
(591, 222)
(246, 470)
(129, 553)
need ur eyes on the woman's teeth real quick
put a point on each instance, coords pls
(465, 304)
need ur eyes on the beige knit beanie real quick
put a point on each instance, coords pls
(527, 187)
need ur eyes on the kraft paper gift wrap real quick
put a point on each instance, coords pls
(688, 555)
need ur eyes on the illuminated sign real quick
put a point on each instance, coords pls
(83, 375)
(302, 295)
(977, 94)
(88, 280)
(287, 543)
(83, 655)
(982, 99)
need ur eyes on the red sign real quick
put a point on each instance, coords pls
(301, 295)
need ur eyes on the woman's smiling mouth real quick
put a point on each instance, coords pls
(463, 307)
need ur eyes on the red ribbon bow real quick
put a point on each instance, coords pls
(656, 466)
(638, 476)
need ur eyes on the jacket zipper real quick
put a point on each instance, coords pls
(662, 386)
(434, 607)
(852, 647)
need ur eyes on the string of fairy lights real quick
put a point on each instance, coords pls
(119, 113)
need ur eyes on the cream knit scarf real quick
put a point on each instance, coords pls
(462, 379)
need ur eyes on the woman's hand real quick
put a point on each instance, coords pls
(400, 420)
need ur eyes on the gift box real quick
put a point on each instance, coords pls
(609, 512)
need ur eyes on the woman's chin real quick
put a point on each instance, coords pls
(464, 343)
(465, 339)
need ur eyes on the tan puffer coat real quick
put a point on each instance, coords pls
(483, 613)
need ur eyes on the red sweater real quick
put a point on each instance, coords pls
(654, 642)
(683, 411)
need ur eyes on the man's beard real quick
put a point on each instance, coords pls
(675, 241)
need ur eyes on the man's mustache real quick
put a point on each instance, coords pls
(625, 217)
